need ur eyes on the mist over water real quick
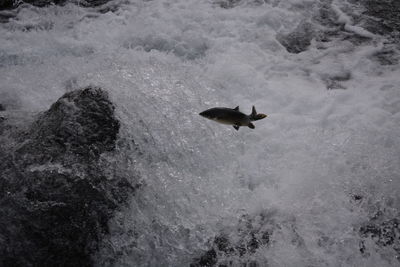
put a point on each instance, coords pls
(322, 164)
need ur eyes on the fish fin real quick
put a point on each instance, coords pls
(253, 112)
(237, 108)
(236, 127)
(251, 126)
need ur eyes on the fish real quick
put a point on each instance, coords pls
(232, 116)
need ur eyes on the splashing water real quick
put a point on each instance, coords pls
(331, 132)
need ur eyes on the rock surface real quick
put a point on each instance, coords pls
(383, 231)
(298, 40)
(227, 4)
(236, 245)
(11, 4)
(384, 17)
(378, 17)
(55, 198)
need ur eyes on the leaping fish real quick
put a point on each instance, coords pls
(232, 116)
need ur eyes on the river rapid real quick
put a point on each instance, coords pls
(323, 169)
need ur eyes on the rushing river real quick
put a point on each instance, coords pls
(324, 163)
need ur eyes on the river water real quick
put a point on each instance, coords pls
(324, 162)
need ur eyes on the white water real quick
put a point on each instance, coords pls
(163, 62)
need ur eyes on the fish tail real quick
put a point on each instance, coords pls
(254, 116)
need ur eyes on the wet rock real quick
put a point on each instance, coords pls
(298, 40)
(2, 119)
(356, 197)
(81, 123)
(11, 4)
(209, 258)
(93, 3)
(6, 4)
(383, 231)
(55, 198)
(5, 15)
(237, 244)
(325, 15)
(227, 4)
(384, 17)
(387, 56)
(244, 239)
(10, 8)
(43, 3)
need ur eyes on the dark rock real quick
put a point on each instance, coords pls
(298, 40)
(2, 125)
(10, 8)
(43, 3)
(384, 232)
(227, 4)
(384, 17)
(2, 119)
(208, 259)
(325, 15)
(356, 197)
(55, 199)
(237, 244)
(5, 15)
(7, 4)
(92, 3)
(2, 108)
(11, 4)
(81, 123)
(387, 56)
(378, 17)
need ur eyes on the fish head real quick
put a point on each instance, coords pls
(209, 114)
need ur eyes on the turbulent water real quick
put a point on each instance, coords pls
(324, 164)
